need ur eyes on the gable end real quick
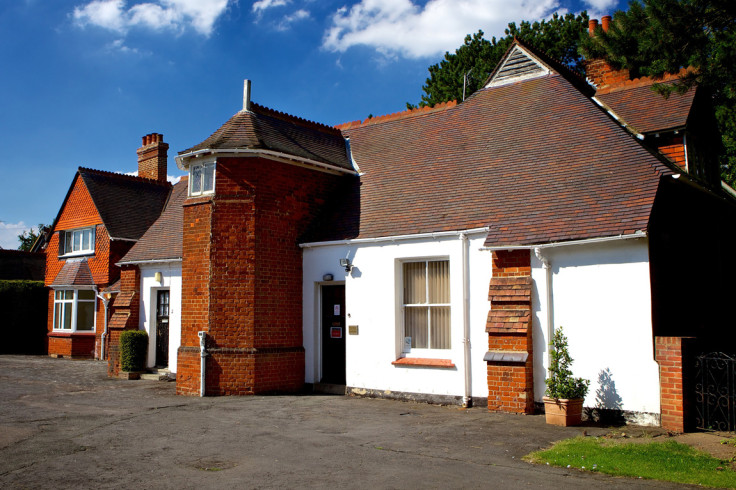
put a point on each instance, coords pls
(518, 65)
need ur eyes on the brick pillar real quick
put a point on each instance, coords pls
(670, 354)
(509, 327)
(125, 314)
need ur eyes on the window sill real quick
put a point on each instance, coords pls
(62, 333)
(76, 255)
(423, 362)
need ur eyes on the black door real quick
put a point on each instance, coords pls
(333, 335)
(162, 328)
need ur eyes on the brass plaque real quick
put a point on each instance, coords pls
(353, 329)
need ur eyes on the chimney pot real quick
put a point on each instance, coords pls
(605, 22)
(592, 24)
(246, 95)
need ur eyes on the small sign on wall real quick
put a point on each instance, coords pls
(335, 332)
(337, 310)
(352, 329)
(407, 344)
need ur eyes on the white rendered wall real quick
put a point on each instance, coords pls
(372, 292)
(171, 280)
(602, 299)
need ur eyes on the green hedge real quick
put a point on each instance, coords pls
(24, 305)
(133, 350)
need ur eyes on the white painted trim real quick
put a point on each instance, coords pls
(637, 234)
(728, 189)
(272, 155)
(618, 119)
(152, 261)
(396, 238)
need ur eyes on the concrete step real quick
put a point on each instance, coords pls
(329, 389)
(159, 374)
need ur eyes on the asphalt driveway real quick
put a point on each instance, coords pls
(65, 424)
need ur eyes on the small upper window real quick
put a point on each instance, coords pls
(202, 179)
(79, 241)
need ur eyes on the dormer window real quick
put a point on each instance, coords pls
(79, 242)
(202, 179)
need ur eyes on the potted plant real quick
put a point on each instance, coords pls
(563, 403)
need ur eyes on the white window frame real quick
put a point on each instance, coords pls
(70, 236)
(415, 351)
(203, 167)
(73, 303)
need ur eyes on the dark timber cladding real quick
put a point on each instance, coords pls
(517, 64)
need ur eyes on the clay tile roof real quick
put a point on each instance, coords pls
(127, 205)
(537, 161)
(74, 273)
(163, 240)
(264, 128)
(646, 110)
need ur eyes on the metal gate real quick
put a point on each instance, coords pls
(715, 392)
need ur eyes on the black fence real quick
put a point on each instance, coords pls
(715, 392)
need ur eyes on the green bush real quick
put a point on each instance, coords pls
(133, 350)
(560, 381)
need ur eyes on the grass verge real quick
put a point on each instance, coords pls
(666, 461)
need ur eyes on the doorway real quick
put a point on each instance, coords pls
(162, 328)
(333, 334)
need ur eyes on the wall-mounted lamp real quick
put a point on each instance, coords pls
(158, 277)
(107, 296)
(346, 263)
(327, 277)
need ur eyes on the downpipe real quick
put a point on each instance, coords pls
(467, 398)
(105, 302)
(202, 361)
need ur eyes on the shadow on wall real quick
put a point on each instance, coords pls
(609, 405)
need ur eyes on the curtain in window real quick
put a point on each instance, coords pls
(426, 304)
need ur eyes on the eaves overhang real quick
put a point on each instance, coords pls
(183, 161)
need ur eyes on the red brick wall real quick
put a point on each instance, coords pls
(124, 314)
(509, 327)
(669, 354)
(603, 75)
(242, 276)
(511, 263)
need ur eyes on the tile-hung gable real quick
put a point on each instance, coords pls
(537, 161)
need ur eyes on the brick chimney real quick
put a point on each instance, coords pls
(152, 157)
(598, 71)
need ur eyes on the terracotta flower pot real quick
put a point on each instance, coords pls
(564, 412)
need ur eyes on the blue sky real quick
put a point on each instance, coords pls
(82, 81)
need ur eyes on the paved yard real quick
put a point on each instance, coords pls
(65, 424)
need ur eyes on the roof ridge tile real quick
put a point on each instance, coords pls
(398, 115)
(122, 176)
(284, 116)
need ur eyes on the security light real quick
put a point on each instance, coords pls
(346, 263)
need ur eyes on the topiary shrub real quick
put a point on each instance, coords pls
(560, 381)
(133, 350)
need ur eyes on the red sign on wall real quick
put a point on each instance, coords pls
(336, 332)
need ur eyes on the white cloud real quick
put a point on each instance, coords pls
(9, 234)
(287, 20)
(261, 5)
(176, 15)
(401, 27)
(602, 5)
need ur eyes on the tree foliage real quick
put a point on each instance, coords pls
(559, 37)
(28, 238)
(662, 36)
